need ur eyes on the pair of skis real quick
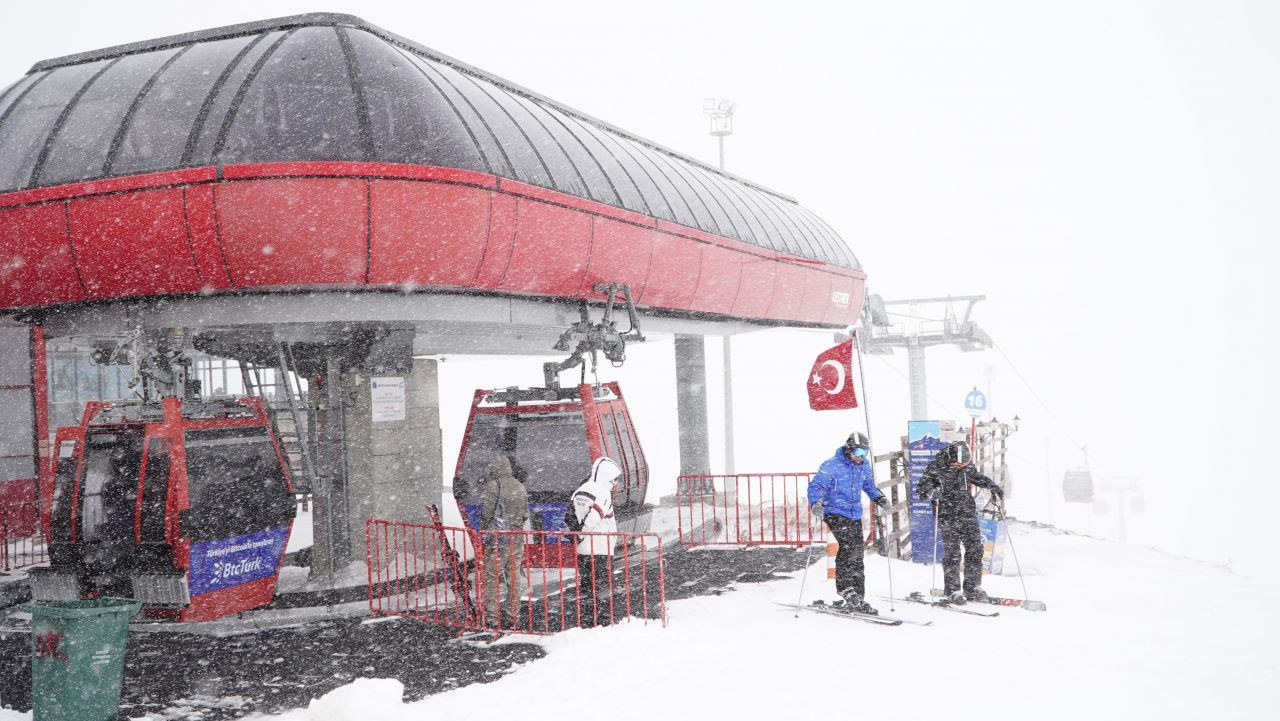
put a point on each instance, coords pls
(917, 597)
(1028, 604)
(830, 610)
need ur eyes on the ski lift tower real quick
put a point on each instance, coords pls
(880, 336)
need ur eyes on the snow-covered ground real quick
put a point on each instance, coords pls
(1130, 633)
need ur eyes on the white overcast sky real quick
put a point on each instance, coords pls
(1105, 172)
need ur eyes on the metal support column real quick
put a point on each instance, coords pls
(729, 465)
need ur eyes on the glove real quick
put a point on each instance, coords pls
(817, 509)
(997, 493)
(882, 501)
(571, 521)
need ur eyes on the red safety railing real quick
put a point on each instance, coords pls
(21, 541)
(758, 509)
(519, 581)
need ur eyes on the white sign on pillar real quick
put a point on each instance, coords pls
(386, 396)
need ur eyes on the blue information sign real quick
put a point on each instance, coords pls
(230, 562)
(924, 440)
(975, 403)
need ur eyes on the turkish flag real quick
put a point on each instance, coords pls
(831, 380)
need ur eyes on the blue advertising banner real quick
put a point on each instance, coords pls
(993, 534)
(230, 562)
(924, 440)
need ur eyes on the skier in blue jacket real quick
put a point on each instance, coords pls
(835, 496)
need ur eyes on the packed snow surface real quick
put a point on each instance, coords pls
(1129, 633)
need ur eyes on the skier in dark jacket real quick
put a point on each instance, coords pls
(946, 479)
(835, 496)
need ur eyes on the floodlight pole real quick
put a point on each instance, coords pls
(720, 115)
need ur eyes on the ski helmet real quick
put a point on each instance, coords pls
(857, 440)
(959, 453)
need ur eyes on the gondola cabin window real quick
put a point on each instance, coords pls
(112, 464)
(548, 449)
(155, 490)
(64, 483)
(235, 483)
(637, 469)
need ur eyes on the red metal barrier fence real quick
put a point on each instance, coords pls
(759, 509)
(521, 581)
(21, 542)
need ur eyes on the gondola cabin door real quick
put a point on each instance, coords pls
(238, 515)
(552, 443)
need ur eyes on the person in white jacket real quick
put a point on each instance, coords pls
(590, 515)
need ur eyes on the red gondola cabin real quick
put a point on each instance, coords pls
(186, 507)
(552, 436)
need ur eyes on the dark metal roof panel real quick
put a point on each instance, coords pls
(326, 86)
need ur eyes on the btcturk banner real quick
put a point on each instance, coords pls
(232, 561)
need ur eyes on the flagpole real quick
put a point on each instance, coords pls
(866, 419)
(866, 412)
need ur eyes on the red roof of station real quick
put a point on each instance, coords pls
(318, 151)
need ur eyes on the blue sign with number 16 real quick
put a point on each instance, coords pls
(975, 402)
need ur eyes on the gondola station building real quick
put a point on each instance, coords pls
(265, 221)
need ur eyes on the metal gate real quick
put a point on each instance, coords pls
(754, 509)
(518, 581)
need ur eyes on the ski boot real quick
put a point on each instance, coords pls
(977, 595)
(854, 603)
(956, 598)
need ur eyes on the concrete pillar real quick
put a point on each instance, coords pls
(691, 404)
(394, 464)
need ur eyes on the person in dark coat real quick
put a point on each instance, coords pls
(503, 511)
(835, 496)
(946, 479)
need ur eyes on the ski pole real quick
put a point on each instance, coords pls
(884, 538)
(1009, 535)
(808, 555)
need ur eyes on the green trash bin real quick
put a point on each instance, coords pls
(77, 657)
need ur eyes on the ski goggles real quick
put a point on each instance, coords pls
(861, 452)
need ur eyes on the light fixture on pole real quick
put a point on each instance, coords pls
(720, 115)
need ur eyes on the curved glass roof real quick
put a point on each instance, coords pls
(333, 87)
